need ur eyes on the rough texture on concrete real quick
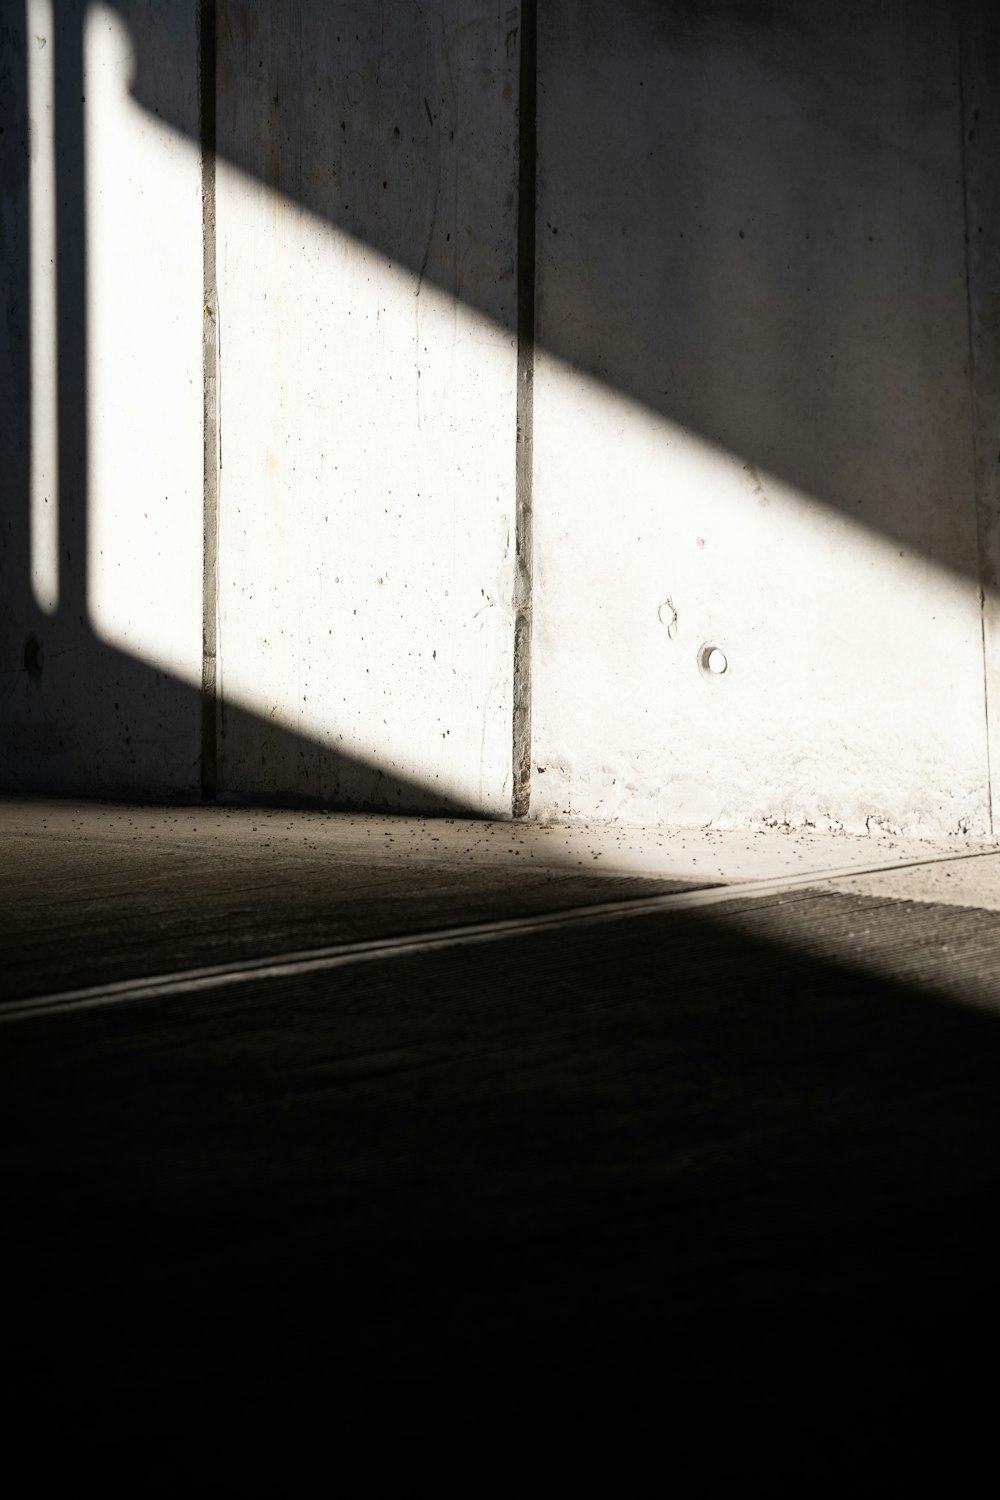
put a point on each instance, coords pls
(133, 890)
(367, 507)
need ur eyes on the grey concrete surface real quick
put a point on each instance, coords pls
(137, 890)
(710, 1190)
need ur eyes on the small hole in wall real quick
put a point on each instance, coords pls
(712, 661)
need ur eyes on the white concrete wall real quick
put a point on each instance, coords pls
(144, 398)
(752, 420)
(367, 402)
(756, 421)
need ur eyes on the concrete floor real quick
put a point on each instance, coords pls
(482, 1141)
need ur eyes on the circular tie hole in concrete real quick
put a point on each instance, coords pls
(712, 661)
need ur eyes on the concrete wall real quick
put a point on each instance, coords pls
(752, 418)
(367, 486)
(270, 440)
(100, 374)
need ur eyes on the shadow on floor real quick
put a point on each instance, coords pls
(670, 1190)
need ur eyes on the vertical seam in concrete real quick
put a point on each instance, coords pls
(210, 404)
(523, 580)
(982, 559)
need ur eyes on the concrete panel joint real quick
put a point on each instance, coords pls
(526, 208)
(210, 395)
(978, 55)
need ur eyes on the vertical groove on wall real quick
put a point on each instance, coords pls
(978, 67)
(527, 151)
(210, 406)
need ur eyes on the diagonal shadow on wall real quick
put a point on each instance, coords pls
(361, 115)
(749, 221)
(79, 714)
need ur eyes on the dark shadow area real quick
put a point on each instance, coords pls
(231, 887)
(669, 1189)
(138, 739)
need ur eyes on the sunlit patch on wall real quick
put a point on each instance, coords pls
(44, 415)
(144, 382)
